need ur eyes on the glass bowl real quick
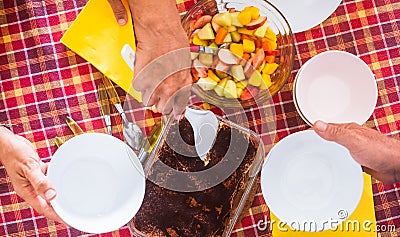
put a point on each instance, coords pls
(285, 42)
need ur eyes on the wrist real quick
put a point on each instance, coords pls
(4, 138)
(154, 19)
(4, 132)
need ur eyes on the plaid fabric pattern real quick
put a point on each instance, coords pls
(42, 82)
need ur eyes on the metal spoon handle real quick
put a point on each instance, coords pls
(121, 112)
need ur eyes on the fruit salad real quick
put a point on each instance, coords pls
(233, 53)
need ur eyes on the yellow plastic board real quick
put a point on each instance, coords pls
(96, 36)
(362, 223)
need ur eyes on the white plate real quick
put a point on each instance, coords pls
(336, 87)
(306, 179)
(304, 15)
(99, 188)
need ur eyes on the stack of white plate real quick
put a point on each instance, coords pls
(307, 182)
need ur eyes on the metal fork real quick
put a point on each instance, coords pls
(132, 133)
(75, 128)
(224, 5)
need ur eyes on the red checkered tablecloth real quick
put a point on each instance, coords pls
(42, 82)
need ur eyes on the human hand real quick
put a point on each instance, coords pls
(162, 72)
(162, 67)
(378, 154)
(119, 11)
(26, 172)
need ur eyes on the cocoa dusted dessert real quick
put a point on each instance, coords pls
(173, 206)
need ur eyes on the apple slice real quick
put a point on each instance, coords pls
(228, 38)
(230, 89)
(223, 19)
(221, 67)
(219, 89)
(206, 59)
(260, 32)
(213, 45)
(255, 79)
(231, 29)
(206, 83)
(237, 72)
(206, 33)
(201, 69)
(235, 19)
(254, 24)
(227, 57)
(235, 36)
(193, 55)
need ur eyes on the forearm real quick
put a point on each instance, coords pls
(395, 158)
(151, 12)
(385, 153)
(153, 18)
(380, 154)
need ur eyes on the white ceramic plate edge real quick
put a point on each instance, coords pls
(265, 192)
(296, 28)
(127, 216)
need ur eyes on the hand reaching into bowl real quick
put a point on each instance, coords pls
(378, 154)
(27, 173)
(159, 35)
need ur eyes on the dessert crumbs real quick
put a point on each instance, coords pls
(203, 213)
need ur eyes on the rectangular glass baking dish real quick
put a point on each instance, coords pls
(242, 198)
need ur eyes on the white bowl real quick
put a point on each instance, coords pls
(99, 186)
(335, 87)
(307, 181)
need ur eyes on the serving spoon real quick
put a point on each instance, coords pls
(205, 127)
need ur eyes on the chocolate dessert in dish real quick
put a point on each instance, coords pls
(168, 211)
